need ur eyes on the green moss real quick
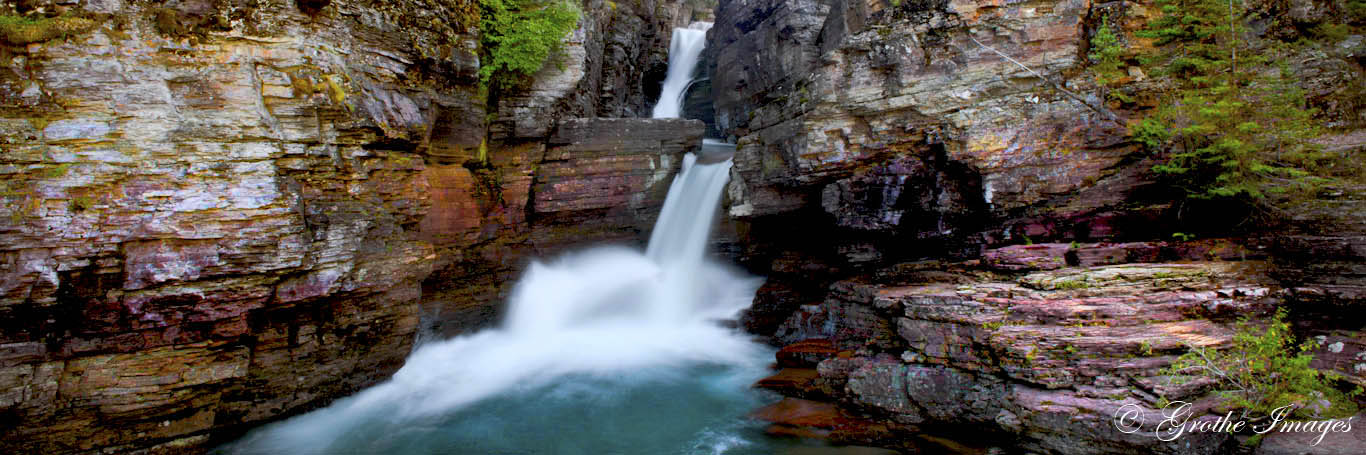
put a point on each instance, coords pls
(1072, 284)
(82, 203)
(1145, 348)
(302, 85)
(21, 30)
(57, 171)
(116, 29)
(175, 24)
(335, 91)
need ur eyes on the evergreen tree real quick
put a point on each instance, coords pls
(1107, 63)
(1234, 126)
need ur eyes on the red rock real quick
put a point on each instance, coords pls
(802, 413)
(1050, 256)
(1093, 255)
(818, 420)
(805, 353)
(798, 382)
(797, 432)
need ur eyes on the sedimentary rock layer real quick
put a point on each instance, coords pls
(216, 214)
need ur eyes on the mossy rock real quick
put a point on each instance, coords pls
(18, 30)
(188, 18)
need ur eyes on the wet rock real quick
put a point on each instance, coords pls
(1049, 356)
(817, 420)
(805, 353)
(793, 382)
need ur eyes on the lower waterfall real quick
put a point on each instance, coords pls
(604, 350)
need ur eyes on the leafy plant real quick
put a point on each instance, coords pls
(518, 36)
(1264, 370)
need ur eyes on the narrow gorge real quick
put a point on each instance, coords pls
(693, 226)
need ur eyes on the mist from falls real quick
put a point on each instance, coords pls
(622, 345)
(609, 322)
(685, 50)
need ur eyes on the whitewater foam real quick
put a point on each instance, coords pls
(610, 313)
(607, 311)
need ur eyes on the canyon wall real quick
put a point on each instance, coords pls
(930, 144)
(216, 214)
(938, 126)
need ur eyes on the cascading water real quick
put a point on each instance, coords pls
(608, 350)
(684, 52)
(604, 332)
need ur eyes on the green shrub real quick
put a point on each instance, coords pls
(1265, 370)
(518, 36)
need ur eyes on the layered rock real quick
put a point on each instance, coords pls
(1048, 357)
(594, 180)
(899, 131)
(216, 215)
(934, 127)
(211, 224)
(851, 105)
(1322, 259)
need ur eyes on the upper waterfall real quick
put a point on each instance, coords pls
(684, 52)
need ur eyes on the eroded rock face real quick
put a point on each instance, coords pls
(909, 119)
(1323, 262)
(216, 214)
(1047, 355)
(823, 95)
(214, 228)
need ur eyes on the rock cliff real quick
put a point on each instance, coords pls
(951, 130)
(939, 124)
(216, 214)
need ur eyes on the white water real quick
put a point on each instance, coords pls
(606, 312)
(684, 52)
(601, 331)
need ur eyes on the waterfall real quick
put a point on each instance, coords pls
(604, 312)
(684, 51)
